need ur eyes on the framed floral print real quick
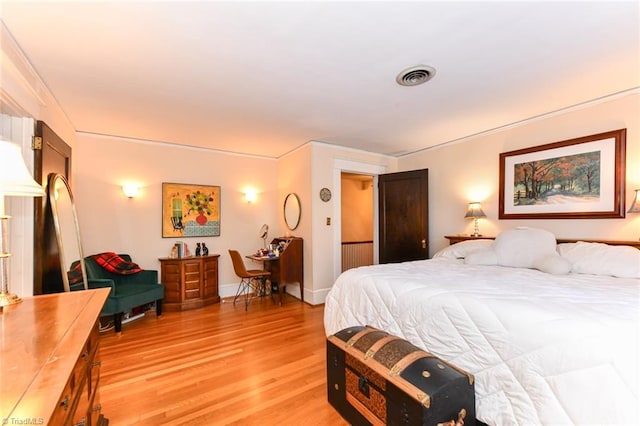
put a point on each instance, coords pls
(190, 210)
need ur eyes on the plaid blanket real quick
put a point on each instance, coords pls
(75, 273)
(109, 261)
(115, 264)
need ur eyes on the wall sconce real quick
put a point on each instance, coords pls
(475, 212)
(250, 195)
(131, 190)
(15, 180)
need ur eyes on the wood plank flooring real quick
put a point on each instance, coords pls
(219, 365)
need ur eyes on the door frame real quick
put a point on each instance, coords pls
(351, 166)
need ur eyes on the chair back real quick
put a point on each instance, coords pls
(238, 264)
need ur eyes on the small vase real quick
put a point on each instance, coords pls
(205, 250)
(198, 249)
(201, 219)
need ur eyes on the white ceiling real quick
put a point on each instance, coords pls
(266, 77)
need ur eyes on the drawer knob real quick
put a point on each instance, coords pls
(65, 402)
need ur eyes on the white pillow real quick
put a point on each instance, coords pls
(553, 264)
(462, 249)
(522, 247)
(482, 257)
(602, 259)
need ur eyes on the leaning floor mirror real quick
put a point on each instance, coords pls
(65, 220)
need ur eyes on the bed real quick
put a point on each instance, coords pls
(551, 338)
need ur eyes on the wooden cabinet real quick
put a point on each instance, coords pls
(289, 266)
(189, 282)
(50, 360)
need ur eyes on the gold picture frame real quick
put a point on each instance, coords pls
(190, 210)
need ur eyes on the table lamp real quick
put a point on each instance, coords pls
(635, 206)
(15, 180)
(475, 212)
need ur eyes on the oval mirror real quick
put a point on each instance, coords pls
(65, 221)
(292, 211)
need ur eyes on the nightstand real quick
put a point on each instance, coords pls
(453, 239)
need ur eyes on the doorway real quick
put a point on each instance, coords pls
(360, 168)
(357, 220)
(417, 182)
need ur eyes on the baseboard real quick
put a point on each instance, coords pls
(311, 297)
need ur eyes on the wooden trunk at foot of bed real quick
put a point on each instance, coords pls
(374, 378)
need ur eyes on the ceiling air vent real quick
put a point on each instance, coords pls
(416, 75)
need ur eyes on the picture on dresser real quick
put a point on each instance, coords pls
(190, 210)
(572, 179)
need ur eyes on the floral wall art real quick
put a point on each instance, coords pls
(190, 210)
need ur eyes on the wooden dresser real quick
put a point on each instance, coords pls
(189, 282)
(49, 360)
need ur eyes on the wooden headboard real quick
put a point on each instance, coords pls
(457, 238)
(635, 244)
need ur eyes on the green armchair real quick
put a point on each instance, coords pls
(127, 291)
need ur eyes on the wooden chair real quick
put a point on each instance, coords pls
(252, 281)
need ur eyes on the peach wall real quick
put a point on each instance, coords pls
(357, 210)
(294, 177)
(111, 222)
(468, 171)
(305, 171)
(328, 161)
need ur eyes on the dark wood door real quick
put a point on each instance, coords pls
(403, 207)
(51, 155)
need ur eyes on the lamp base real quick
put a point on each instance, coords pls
(7, 298)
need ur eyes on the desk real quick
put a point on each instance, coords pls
(288, 268)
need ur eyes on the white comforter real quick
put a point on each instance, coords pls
(544, 349)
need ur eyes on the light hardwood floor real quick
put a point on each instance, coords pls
(219, 365)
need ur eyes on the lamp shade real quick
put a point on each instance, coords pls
(474, 211)
(635, 206)
(15, 178)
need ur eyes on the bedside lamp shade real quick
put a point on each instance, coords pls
(474, 211)
(635, 206)
(15, 180)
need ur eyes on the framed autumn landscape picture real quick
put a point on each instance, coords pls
(190, 210)
(575, 179)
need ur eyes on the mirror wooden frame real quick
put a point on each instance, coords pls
(292, 211)
(67, 229)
